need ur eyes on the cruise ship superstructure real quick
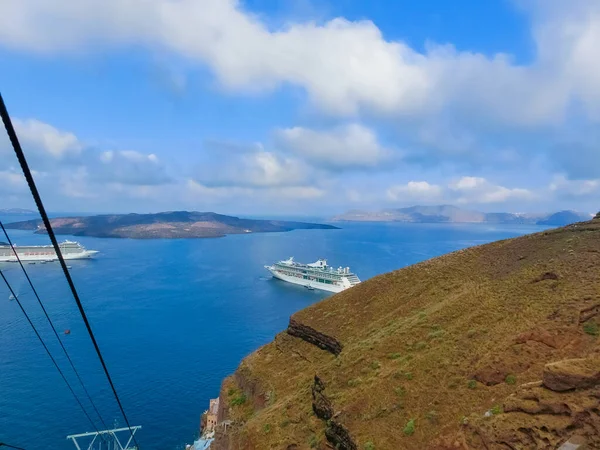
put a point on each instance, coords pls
(69, 250)
(317, 275)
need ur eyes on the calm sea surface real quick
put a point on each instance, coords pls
(173, 318)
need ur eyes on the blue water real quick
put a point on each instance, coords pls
(173, 317)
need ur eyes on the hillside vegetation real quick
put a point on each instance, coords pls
(491, 347)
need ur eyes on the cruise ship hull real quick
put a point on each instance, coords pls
(42, 254)
(307, 283)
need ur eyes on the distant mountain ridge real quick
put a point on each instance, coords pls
(16, 211)
(164, 225)
(454, 214)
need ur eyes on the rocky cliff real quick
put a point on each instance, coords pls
(492, 347)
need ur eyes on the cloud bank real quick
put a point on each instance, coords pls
(440, 119)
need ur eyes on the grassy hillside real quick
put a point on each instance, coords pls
(429, 349)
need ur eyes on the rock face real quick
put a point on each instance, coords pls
(321, 340)
(538, 335)
(545, 415)
(321, 405)
(339, 436)
(335, 432)
(572, 374)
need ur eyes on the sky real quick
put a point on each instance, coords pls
(301, 106)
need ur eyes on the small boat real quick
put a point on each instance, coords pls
(11, 297)
(69, 267)
(309, 287)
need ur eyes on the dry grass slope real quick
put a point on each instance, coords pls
(428, 349)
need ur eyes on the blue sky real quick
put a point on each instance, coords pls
(279, 107)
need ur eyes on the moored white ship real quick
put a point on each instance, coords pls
(317, 275)
(69, 250)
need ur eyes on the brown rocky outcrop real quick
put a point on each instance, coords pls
(583, 373)
(538, 335)
(339, 436)
(544, 415)
(546, 276)
(308, 334)
(335, 432)
(251, 387)
(497, 372)
(587, 313)
(565, 337)
(321, 405)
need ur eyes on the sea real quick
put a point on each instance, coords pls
(172, 319)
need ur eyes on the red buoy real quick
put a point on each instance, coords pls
(67, 331)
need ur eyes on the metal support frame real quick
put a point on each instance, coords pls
(108, 437)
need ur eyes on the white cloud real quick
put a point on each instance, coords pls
(220, 193)
(567, 34)
(75, 184)
(61, 154)
(12, 181)
(232, 165)
(128, 167)
(349, 146)
(479, 190)
(268, 169)
(417, 191)
(345, 67)
(65, 168)
(465, 190)
(564, 187)
(42, 138)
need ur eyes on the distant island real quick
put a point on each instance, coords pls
(453, 214)
(17, 211)
(164, 225)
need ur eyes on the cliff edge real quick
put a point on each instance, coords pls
(492, 347)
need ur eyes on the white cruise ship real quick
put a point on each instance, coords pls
(317, 275)
(69, 250)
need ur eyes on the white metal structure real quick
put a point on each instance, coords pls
(106, 439)
(317, 275)
(69, 250)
